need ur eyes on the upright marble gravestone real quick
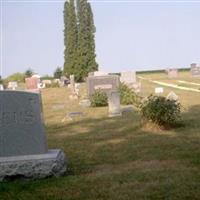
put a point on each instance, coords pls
(114, 104)
(22, 138)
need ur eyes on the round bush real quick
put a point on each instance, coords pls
(99, 99)
(161, 110)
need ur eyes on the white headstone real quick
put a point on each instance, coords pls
(172, 96)
(100, 73)
(48, 82)
(159, 90)
(12, 85)
(128, 77)
(1, 87)
(114, 104)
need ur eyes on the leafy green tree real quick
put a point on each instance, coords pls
(1, 80)
(19, 77)
(28, 73)
(70, 37)
(58, 72)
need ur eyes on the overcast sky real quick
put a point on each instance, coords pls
(130, 35)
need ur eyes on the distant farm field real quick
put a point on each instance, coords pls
(116, 158)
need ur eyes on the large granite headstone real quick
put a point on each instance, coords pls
(23, 148)
(105, 83)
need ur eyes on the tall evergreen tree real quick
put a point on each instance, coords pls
(70, 37)
(79, 39)
(93, 66)
(86, 44)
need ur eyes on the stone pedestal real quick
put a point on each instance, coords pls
(49, 164)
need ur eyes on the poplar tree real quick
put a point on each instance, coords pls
(79, 40)
(93, 66)
(86, 45)
(70, 37)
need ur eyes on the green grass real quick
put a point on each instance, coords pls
(116, 158)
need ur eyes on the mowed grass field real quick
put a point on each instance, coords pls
(116, 158)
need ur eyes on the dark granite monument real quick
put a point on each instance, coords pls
(23, 148)
(106, 83)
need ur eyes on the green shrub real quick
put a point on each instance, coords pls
(99, 99)
(19, 77)
(127, 95)
(1, 81)
(46, 77)
(161, 111)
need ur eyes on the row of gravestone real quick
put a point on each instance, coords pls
(110, 84)
(194, 70)
(34, 83)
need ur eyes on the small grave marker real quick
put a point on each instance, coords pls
(172, 96)
(12, 85)
(159, 90)
(114, 104)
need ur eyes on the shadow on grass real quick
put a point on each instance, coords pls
(114, 158)
(89, 143)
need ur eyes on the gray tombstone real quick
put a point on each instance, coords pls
(128, 77)
(72, 84)
(21, 124)
(105, 83)
(195, 70)
(114, 104)
(74, 89)
(22, 138)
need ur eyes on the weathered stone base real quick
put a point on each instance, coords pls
(33, 166)
(115, 114)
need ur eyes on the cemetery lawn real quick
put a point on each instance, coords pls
(116, 158)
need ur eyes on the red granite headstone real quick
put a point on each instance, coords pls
(172, 73)
(31, 83)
